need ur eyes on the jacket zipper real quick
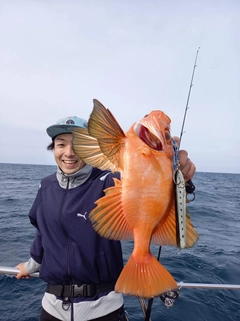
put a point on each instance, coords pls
(61, 219)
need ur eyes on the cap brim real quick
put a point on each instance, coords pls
(60, 129)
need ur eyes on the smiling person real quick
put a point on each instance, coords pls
(79, 266)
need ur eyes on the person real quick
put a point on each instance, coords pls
(79, 267)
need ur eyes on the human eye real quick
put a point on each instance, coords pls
(60, 145)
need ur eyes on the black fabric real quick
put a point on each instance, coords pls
(44, 316)
(86, 290)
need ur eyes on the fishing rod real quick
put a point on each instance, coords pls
(189, 93)
(190, 188)
(181, 186)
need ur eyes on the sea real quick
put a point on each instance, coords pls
(214, 259)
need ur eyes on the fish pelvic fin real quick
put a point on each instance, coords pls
(165, 232)
(103, 126)
(192, 235)
(145, 278)
(87, 148)
(108, 218)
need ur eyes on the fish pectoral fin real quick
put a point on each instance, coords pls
(87, 148)
(165, 232)
(108, 218)
(103, 126)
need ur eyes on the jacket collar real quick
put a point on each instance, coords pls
(75, 179)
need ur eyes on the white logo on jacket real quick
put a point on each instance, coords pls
(82, 215)
(102, 178)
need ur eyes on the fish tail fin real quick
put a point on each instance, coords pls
(146, 278)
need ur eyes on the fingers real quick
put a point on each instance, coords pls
(18, 276)
(176, 139)
(23, 274)
(186, 165)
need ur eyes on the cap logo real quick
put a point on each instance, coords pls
(70, 121)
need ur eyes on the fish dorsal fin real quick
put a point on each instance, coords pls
(103, 126)
(87, 148)
(108, 218)
(165, 233)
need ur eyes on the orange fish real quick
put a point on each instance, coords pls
(142, 205)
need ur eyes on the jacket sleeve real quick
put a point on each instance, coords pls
(36, 248)
(32, 266)
(33, 211)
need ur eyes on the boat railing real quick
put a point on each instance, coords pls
(14, 271)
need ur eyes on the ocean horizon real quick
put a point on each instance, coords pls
(54, 165)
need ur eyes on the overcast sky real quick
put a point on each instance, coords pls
(133, 56)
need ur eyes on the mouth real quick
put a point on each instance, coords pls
(69, 162)
(147, 137)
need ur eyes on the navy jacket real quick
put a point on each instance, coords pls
(66, 246)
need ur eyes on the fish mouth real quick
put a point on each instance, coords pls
(148, 137)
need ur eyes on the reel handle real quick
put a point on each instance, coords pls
(190, 187)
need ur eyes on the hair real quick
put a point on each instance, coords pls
(51, 145)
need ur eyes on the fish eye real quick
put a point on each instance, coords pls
(167, 136)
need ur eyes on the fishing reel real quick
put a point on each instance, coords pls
(169, 297)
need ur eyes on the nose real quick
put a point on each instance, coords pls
(69, 151)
